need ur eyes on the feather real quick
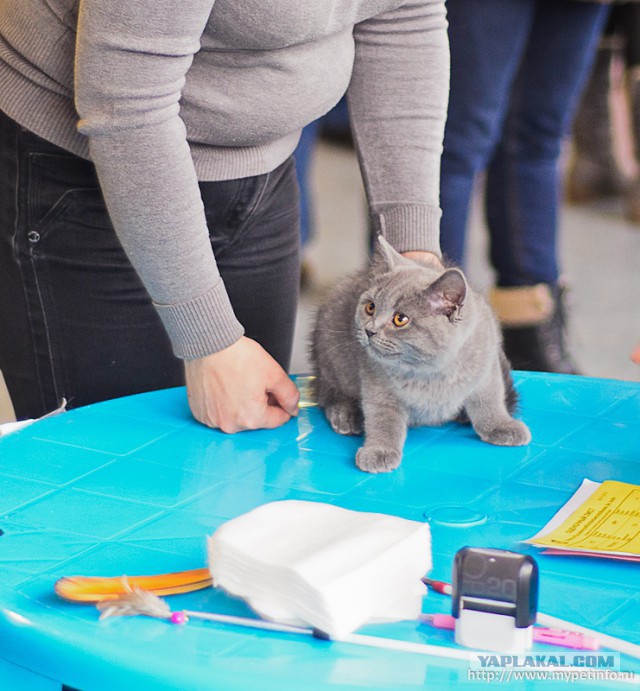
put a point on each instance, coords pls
(134, 601)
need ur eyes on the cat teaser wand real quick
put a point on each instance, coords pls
(136, 601)
(117, 590)
(124, 596)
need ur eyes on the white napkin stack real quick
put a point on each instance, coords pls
(9, 427)
(314, 564)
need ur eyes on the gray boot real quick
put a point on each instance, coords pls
(594, 172)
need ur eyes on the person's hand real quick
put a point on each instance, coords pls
(635, 355)
(240, 388)
(427, 258)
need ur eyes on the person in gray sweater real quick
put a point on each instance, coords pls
(148, 205)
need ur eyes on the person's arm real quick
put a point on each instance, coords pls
(131, 60)
(398, 99)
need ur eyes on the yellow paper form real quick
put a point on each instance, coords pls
(598, 518)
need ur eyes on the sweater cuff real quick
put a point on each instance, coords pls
(411, 227)
(201, 326)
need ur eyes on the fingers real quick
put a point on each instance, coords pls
(285, 394)
(240, 388)
(426, 258)
(274, 416)
(264, 417)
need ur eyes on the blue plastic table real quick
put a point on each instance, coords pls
(133, 486)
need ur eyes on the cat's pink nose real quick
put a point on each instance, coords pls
(370, 333)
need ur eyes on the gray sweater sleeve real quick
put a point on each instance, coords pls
(132, 58)
(398, 104)
(130, 71)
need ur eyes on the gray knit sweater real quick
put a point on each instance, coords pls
(161, 93)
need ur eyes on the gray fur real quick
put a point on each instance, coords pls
(445, 364)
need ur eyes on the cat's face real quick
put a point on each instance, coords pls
(410, 316)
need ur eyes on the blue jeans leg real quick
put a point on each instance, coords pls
(487, 38)
(523, 184)
(303, 156)
(517, 67)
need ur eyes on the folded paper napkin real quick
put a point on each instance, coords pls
(9, 427)
(314, 564)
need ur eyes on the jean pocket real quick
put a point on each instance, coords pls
(56, 184)
(229, 206)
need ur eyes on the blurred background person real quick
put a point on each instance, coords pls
(606, 129)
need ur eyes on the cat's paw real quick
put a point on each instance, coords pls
(376, 459)
(345, 418)
(512, 433)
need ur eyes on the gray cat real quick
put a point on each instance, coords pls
(401, 344)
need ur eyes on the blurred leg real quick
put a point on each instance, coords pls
(594, 171)
(628, 25)
(304, 160)
(523, 185)
(487, 38)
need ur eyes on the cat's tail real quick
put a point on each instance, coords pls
(511, 398)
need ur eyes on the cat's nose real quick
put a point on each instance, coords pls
(370, 333)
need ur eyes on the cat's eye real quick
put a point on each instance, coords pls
(400, 319)
(370, 308)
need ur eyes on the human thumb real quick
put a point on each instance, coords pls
(284, 394)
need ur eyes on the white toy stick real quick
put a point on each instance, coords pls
(604, 639)
(137, 601)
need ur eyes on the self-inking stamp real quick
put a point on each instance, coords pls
(495, 599)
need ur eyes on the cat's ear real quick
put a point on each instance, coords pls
(385, 258)
(447, 294)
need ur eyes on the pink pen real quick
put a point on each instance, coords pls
(564, 639)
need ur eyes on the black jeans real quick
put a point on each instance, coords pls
(75, 319)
